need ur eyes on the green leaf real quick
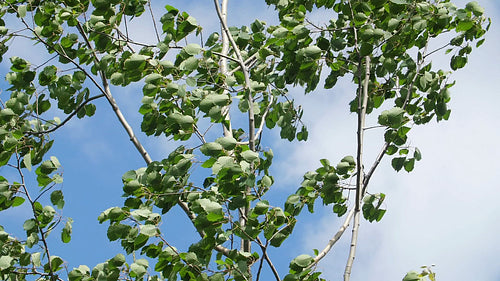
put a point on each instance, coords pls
(35, 258)
(17, 201)
(458, 62)
(131, 186)
(212, 209)
(29, 225)
(55, 263)
(250, 156)
(211, 149)
(153, 78)
(393, 117)
(312, 52)
(475, 8)
(116, 231)
(149, 230)
(412, 276)
(27, 161)
(57, 198)
(228, 143)
(117, 78)
(280, 32)
(6, 262)
(67, 230)
(349, 159)
(399, 2)
(118, 260)
(213, 99)
(192, 49)
(223, 162)
(420, 25)
(261, 207)
(75, 275)
(189, 64)
(140, 214)
(21, 11)
(135, 62)
(137, 270)
(409, 164)
(398, 163)
(301, 261)
(212, 39)
(417, 154)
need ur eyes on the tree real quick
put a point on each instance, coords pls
(189, 90)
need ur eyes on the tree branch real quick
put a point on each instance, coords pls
(43, 237)
(69, 117)
(334, 239)
(114, 105)
(268, 260)
(263, 121)
(362, 104)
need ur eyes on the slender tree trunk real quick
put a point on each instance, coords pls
(223, 68)
(362, 104)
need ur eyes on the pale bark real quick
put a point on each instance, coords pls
(245, 244)
(362, 104)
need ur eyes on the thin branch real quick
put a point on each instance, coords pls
(249, 61)
(405, 104)
(373, 127)
(436, 50)
(374, 166)
(263, 121)
(226, 57)
(114, 105)
(362, 102)
(69, 117)
(154, 21)
(37, 222)
(185, 208)
(334, 239)
(268, 260)
(47, 45)
(352, 252)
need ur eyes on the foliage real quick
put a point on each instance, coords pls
(385, 51)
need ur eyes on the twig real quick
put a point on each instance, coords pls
(154, 21)
(37, 222)
(69, 117)
(250, 60)
(263, 121)
(185, 208)
(268, 260)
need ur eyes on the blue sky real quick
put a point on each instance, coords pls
(444, 213)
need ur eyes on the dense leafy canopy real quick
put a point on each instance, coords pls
(383, 46)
